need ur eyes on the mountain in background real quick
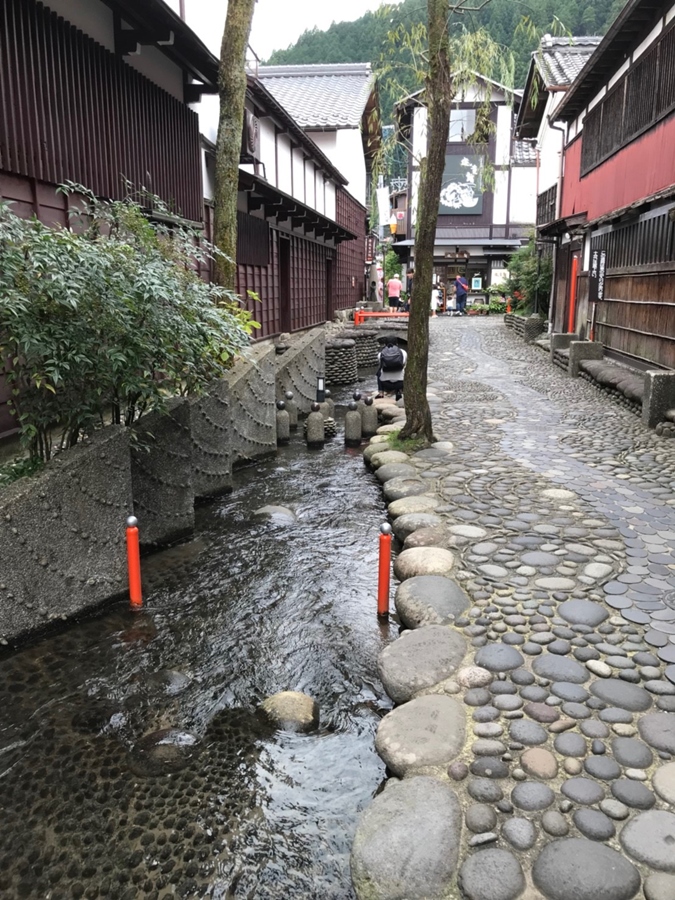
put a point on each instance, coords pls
(364, 39)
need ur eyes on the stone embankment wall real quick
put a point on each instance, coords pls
(62, 535)
(62, 538)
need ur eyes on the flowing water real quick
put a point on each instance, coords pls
(217, 804)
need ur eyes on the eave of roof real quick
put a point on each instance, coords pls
(258, 90)
(155, 20)
(631, 25)
(290, 206)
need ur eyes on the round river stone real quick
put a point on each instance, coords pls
(429, 600)
(420, 659)
(650, 838)
(490, 875)
(583, 612)
(499, 658)
(519, 832)
(633, 793)
(423, 561)
(525, 732)
(632, 753)
(593, 824)
(583, 790)
(664, 783)
(427, 731)
(389, 858)
(560, 668)
(292, 711)
(658, 730)
(532, 796)
(616, 692)
(570, 744)
(578, 869)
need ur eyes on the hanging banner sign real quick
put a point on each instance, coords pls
(598, 270)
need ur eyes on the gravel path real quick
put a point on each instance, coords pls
(536, 690)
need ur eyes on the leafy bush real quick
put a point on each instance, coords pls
(392, 265)
(107, 321)
(531, 273)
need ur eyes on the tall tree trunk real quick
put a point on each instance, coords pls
(232, 90)
(438, 98)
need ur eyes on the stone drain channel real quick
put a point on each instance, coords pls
(133, 763)
(532, 745)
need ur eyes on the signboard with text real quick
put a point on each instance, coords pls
(597, 273)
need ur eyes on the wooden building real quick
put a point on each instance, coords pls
(106, 91)
(618, 190)
(477, 228)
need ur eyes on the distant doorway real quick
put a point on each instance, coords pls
(329, 290)
(285, 284)
(572, 305)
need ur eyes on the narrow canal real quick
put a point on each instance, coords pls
(217, 805)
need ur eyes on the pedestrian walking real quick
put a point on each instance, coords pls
(461, 291)
(394, 288)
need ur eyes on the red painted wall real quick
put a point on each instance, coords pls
(645, 166)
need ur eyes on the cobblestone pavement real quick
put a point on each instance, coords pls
(541, 528)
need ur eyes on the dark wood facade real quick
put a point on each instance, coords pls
(618, 192)
(71, 110)
(304, 280)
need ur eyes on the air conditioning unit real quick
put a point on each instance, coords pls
(251, 135)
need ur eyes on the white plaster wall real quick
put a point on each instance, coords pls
(501, 197)
(523, 195)
(598, 97)
(550, 142)
(208, 175)
(419, 123)
(152, 63)
(208, 111)
(619, 72)
(503, 137)
(649, 40)
(344, 148)
(350, 162)
(90, 16)
(310, 198)
(298, 175)
(284, 162)
(318, 190)
(267, 150)
(331, 210)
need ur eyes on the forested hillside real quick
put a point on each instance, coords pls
(364, 39)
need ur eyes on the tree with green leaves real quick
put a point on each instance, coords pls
(445, 59)
(108, 320)
(232, 91)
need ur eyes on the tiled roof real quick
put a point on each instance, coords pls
(560, 59)
(524, 153)
(321, 96)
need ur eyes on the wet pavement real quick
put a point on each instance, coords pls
(557, 510)
(133, 763)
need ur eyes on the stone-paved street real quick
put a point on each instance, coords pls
(541, 724)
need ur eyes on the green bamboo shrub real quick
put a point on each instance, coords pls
(107, 320)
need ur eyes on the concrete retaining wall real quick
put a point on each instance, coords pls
(62, 541)
(252, 386)
(62, 546)
(211, 441)
(298, 368)
(161, 471)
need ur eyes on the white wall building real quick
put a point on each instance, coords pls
(477, 228)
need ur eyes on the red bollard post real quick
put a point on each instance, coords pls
(134, 563)
(384, 573)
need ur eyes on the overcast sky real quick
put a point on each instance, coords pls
(276, 23)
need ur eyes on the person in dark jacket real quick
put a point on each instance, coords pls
(462, 289)
(390, 380)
